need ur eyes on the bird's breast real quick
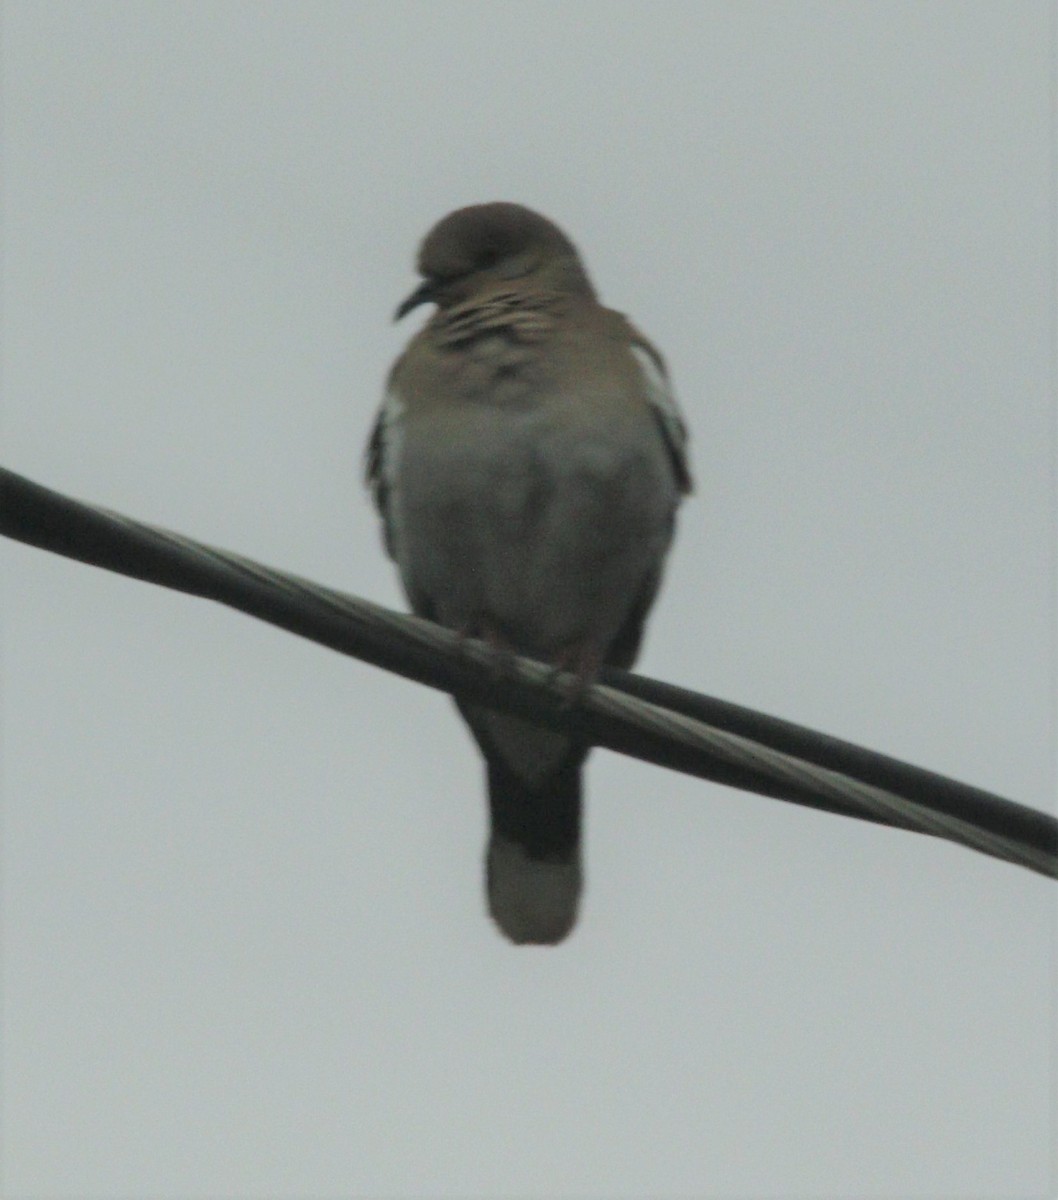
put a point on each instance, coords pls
(540, 520)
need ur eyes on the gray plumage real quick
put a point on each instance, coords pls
(527, 463)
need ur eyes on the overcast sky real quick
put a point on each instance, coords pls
(244, 942)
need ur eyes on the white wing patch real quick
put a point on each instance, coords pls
(383, 467)
(667, 411)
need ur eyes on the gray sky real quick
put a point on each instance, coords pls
(244, 943)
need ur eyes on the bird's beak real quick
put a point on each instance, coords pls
(423, 294)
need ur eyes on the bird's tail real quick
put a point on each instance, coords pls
(532, 866)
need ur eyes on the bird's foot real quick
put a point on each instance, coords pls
(574, 670)
(501, 656)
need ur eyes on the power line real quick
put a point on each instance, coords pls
(630, 714)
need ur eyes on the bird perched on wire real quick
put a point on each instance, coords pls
(527, 462)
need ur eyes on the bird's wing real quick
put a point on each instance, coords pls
(380, 463)
(666, 411)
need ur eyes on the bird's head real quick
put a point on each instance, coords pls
(473, 248)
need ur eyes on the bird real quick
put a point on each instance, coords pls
(527, 463)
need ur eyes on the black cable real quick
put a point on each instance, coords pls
(739, 749)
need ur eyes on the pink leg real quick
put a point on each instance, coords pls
(502, 654)
(582, 660)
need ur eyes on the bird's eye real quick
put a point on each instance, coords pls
(489, 257)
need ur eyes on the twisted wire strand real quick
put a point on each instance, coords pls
(666, 729)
